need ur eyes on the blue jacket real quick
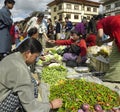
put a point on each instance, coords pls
(5, 24)
(68, 26)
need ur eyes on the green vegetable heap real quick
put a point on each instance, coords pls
(77, 92)
(53, 74)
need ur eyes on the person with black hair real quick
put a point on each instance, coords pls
(39, 23)
(50, 29)
(110, 26)
(58, 29)
(77, 51)
(16, 80)
(32, 33)
(68, 27)
(5, 25)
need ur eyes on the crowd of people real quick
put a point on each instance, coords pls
(17, 82)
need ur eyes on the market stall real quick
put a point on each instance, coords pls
(77, 86)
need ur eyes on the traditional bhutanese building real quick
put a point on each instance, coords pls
(111, 7)
(74, 9)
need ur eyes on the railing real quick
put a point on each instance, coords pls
(111, 10)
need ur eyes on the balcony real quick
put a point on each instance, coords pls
(69, 11)
(112, 10)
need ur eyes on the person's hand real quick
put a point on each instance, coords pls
(51, 41)
(47, 39)
(78, 59)
(57, 103)
(42, 58)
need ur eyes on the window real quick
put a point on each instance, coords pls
(94, 9)
(76, 7)
(108, 7)
(88, 17)
(117, 4)
(76, 16)
(60, 7)
(68, 15)
(55, 17)
(55, 9)
(88, 8)
(68, 6)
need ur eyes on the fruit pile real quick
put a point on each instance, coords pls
(75, 93)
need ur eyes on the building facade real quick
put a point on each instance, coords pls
(47, 14)
(111, 7)
(74, 9)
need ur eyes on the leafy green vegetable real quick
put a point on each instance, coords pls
(77, 92)
(53, 74)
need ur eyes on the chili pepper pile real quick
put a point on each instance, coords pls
(75, 93)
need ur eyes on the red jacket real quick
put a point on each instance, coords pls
(91, 40)
(81, 44)
(111, 27)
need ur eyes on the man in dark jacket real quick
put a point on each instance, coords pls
(5, 25)
(58, 29)
(68, 27)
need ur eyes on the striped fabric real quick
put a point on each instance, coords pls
(113, 74)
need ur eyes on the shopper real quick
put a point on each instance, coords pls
(40, 25)
(68, 27)
(58, 29)
(16, 80)
(5, 25)
(50, 29)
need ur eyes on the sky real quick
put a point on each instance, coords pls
(23, 8)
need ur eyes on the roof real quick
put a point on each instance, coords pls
(85, 2)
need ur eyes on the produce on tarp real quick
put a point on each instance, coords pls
(103, 51)
(50, 58)
(57, 49)
(53, 73)
(76, 92)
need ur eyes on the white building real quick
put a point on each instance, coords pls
(47, 13)
(74, 9)
(111, 7)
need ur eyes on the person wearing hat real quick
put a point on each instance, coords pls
(5, 25)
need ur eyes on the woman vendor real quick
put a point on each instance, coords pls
(110, 26)
(16, 85)
(80, 56)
